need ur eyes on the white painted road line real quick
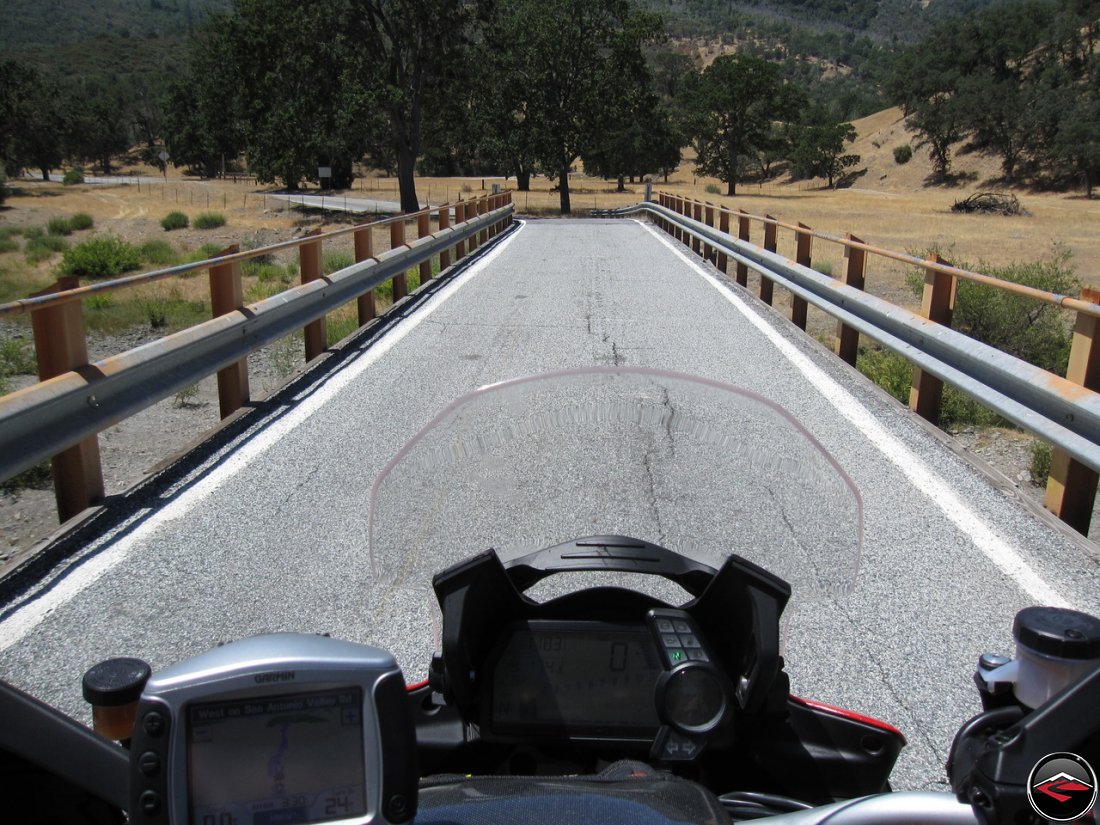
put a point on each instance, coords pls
(996, 549)
(38, 605)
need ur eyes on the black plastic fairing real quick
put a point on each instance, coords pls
(36, 734)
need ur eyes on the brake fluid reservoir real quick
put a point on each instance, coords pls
(1054, 648)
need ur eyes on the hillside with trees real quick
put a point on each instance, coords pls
(523, 87)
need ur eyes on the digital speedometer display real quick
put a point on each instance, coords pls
(589, 679)
(277, 760)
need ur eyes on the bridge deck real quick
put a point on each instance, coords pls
(271, 534)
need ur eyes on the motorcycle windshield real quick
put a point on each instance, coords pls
(701, 468)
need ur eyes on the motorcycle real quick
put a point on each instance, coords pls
(613, 650)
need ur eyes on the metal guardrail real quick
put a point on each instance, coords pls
(1057, 409)
(60, 416)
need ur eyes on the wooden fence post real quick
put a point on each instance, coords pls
(397, 239)
(724, 227)
(847, 339)
(445, 223)
(744, 227)
(803, 249)
(423, 230)
(364, 251)
(60, 346)
(771, 232)
(1071, 486)
(227, 295)
(937, 304)
(310, 263)
(483, 209)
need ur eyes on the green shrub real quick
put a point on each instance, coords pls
(32, 232)
(43, 247)
(81, 221)
(99, 302)
(895, 375)
(101, 256)
(903, 154)
(59, 226)
(17, 357)
(1031, 330)
(713, 189)
(73, 177)
(159, 252)
(7, 244)
(209, 220)
(174, 220)
(267, 272)
(1042, 454)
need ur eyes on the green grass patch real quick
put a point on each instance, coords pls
(713, 189)
(340, 325)
(209, 220)
(73, 177)
(81, 221)
(101, 256)
(59, 226)
(43, 247)
(17, 281)
(1042, 454)
(165, 312)
(336, 260)
(8, 245)
(32, 232)
(174, 220)
(38, 477)
(159, 253)
(268, 272)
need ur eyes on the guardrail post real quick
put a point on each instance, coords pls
(1071, 486)
(771, 231)
(227, 295)
(708, 218)
(803, 248)
(444, 223)
(482, 209)
(744, 227)
(724, 227)
(460, 218)
(423, 230)
(310, 263)
(364, 251)
(60, 346)
(397, 239)
(696, 214)
(847, 339)
(937, 304)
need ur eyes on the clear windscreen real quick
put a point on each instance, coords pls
(701, 468)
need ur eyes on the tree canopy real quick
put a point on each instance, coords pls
(733, 107)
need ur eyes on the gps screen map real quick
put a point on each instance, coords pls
(277, 760)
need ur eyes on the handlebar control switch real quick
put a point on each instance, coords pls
(113, 688)
(693, 698)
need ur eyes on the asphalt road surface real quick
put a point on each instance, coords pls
(270, 531)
